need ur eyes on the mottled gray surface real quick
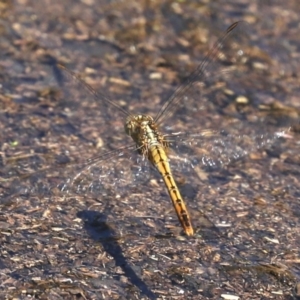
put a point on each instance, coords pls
(124, 241)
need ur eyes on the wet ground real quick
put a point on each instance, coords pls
(124, 241)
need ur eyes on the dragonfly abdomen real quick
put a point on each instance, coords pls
(160, 160)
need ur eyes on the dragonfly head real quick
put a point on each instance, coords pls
(136, 126)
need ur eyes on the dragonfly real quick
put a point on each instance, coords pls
(170, 150)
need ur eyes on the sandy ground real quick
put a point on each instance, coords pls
(112, 233)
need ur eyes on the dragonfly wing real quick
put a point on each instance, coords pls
(220, 65)
(113, 172)
(216, 149)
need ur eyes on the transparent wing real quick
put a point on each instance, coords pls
(217, 66)
(212, 149)
(75, 88)
(94, 116)
(113, 172)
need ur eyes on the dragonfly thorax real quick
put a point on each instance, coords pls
(143, 131)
